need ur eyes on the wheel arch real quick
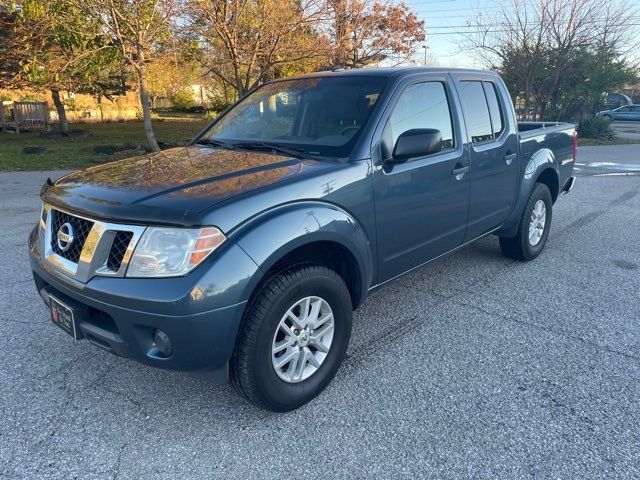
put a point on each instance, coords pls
(549, 177)
(309, 232)
(541, 168)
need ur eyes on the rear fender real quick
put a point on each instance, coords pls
(277, 232)
(542, 160)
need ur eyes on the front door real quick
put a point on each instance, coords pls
(421, 205)
(493, 141)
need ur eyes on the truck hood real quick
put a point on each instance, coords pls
(171, 187)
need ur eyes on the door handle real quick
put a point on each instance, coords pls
(509, 157)
(459, 172)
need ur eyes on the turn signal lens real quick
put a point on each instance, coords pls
(210, 238)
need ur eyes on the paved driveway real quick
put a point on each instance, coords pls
(609, 160)
(630, 130)
(476, 366)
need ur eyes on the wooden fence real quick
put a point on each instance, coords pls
(24, 116)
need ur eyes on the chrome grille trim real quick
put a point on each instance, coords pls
(95, 251)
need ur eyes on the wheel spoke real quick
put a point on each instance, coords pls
(288, 356)
(311, 358)
(316, 337)
(297, 366)
(304, 314)
(314, 313)
(287, 342)
(323, 320)
(297, 322)
(285, 328)
(321, 332)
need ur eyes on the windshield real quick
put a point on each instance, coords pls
(316, 116)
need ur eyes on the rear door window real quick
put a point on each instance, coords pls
(495, 111)
(476, 111)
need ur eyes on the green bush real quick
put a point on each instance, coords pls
(218, 104)
(182, 99)
(210, 115)
(596, 127)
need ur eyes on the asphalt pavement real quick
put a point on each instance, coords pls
(629, 130)
(608, 160)
(474, 366)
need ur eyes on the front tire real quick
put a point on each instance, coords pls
(533, 229)
(293, 338)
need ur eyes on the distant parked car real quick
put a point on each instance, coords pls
(626, 113)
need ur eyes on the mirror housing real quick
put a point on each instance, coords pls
(417, 142)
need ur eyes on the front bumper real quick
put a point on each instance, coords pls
(110, 315)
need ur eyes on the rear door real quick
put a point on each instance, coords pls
(421, 205)
(493, 141)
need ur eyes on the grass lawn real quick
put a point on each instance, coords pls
(588, 142)
(77, 152)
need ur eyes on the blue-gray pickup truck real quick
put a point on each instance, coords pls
(242, 256)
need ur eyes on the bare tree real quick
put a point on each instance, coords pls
(539, 41)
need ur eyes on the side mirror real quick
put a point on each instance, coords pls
(418, 142)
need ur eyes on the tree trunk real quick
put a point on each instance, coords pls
(62, 113)
(146, 111)
(99, 101)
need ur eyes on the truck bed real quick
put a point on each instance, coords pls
(547, 126)
(554, 138)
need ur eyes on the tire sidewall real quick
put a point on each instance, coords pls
(270, 387)
(540, 192)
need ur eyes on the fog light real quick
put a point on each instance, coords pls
(163, 343)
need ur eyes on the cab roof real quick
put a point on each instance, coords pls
(389, 72)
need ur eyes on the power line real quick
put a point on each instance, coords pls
(533, 23)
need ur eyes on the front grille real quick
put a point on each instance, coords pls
(81, 229)
(118, 248)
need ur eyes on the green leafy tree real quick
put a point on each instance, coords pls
(63, 51)
(12, 55)
(141, 30)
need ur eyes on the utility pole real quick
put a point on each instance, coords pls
(424, 62)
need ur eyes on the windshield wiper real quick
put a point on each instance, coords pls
(292, 152)
(215, 143)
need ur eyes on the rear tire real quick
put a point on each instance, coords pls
(292, 293)
(533, 228)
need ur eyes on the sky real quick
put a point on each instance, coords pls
(445, 19)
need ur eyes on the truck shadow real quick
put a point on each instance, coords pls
(388, 315)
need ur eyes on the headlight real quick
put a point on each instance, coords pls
(171, 252)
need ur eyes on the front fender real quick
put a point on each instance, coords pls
(542, 160)
(273, 234)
